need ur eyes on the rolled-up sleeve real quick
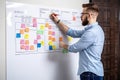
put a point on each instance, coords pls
(87, 39)
(75, 33)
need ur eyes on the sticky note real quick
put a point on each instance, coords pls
(26, 47)
(50, 43)
(22, 47)
(38, 36)
(54, 47)
(50, 33)
(42, 27)
(49, 37)
(64, 51)
(53, 33)
(69, 38)
(27, 29)
(32, 47)
(21, 31)
(42, 43)
(22, 25)
(53, 39)
(49, 27)
(38, 45)
(26, 36)
(34, 20)
(60, 39)
(35, 41)
(18, 35)
(34, 24)
(74, 18)
(46, 24)
(40, 31)
(22, 41)
(50, 48)
(27, 42)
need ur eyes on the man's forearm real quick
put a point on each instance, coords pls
(63, 27)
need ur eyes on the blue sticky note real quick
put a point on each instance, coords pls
(18, 35)
(38, 45)
(50, 48)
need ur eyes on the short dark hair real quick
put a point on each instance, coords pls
(91, 7)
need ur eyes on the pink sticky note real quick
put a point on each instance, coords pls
(34, 20)
(34, 24)
(35, 41)
(22, 25)
(38, 36)
(22, 41)
(53, 33)
(26, 47)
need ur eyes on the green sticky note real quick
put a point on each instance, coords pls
(40, 31)
(64, 51)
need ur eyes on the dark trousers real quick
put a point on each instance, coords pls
(90, 76)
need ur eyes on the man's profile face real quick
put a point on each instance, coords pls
(84, 18)
(85, 21)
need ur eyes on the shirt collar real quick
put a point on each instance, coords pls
(91, 25)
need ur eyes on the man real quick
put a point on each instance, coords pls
(89, 46)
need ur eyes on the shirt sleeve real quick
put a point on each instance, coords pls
(87, 39)
(75, 33)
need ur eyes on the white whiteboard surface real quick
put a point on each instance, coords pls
(36, 66)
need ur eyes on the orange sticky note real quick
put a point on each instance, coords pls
(53, 39)
(50, 38)
(32, 47)
(50, 32)
(22, 47)
(21, 31)
(47, 24)
(60, 39)
(27, 29)
(26, 41)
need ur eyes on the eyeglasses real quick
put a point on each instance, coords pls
(84, 13)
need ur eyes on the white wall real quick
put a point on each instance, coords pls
(74, 4)
(2, 40)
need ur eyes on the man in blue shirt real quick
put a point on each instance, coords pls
(90, 45)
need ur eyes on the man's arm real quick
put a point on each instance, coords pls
(61, 25)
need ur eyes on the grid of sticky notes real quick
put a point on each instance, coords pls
(26, 39)
(37, 37)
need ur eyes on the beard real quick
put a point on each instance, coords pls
(85, 22)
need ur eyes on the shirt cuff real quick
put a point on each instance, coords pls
(68, 32)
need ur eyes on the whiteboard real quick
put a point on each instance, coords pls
(33, 51)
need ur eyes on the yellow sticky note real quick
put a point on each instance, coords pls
(26, 36)
(54, 47)
(42, 27)
(69, 38)
(42, 43)
(50, 43)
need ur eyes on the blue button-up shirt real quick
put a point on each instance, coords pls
(90, 48)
